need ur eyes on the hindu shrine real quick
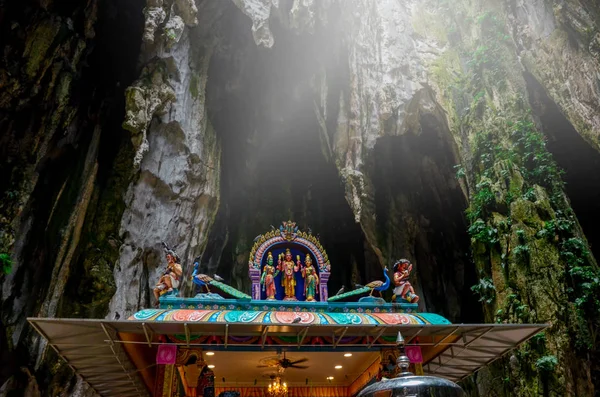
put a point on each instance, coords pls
(290, 337)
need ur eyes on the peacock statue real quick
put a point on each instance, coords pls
(224, 290)
(379, 285)
(201, 280)
(364, 293)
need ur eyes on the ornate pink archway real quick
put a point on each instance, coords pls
(288, 233)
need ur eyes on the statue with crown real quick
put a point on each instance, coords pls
(311, 279)
(288, 268)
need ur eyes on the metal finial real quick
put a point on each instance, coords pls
(400, 340)
(403, 362)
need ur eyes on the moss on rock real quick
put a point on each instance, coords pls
(516, 206)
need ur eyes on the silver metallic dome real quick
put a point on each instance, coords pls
(409, 385)
(413, 386)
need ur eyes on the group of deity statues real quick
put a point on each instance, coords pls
(288, 268)
(171, 277)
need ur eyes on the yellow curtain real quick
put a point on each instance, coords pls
(325, 391)
(318, 392)
(362, 380)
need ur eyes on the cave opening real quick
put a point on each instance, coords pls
(97, 79)
(109, 67)
(113, 66)
(579, 160)
(275, 165)
(420, 207)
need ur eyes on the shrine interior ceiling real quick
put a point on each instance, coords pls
(240, 368)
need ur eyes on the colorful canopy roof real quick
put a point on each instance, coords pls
(95, 348)
(220, 316)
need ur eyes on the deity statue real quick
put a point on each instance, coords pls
(287, 266)
(171, 276)
(206, 383)
(403, 289)
(268, 278)
(311, 279)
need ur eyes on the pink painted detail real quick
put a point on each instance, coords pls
(264, 246)
(255, 278)
(289, 317)
(393, 318)
(414, 354)
(166, 354)
(189, 315)
(323, 286)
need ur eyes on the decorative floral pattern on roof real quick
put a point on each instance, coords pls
(219, 315)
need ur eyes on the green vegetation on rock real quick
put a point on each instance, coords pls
(195, 85)
(485, 289)
(5, 263)
(534, 263)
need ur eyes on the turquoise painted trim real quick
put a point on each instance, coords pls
(224, 316)
(433, 318)
(208, 302)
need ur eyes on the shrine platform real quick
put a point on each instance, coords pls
(342, 342)
(213, 301)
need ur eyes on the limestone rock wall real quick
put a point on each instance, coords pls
(559, 43)
(176, 192)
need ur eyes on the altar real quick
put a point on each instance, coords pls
(289, 337)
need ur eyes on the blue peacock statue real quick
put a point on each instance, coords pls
(379, 285)
(201, 280)
(215, 282)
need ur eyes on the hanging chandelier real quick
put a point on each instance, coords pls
(277, 389)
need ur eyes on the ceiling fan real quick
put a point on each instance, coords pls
(283, 363)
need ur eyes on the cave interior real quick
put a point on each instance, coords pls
(275, 166)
